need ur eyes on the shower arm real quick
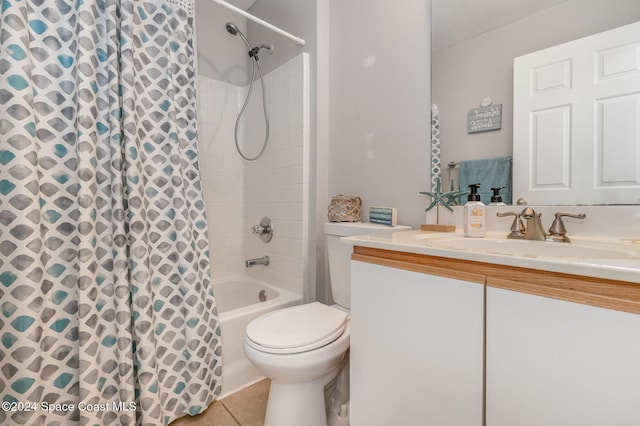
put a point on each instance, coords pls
(253, 52)
(298, 40)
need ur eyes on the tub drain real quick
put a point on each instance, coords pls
(262, 296)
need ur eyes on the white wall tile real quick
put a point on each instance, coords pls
(239, 193)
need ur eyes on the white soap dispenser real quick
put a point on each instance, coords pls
(474, 214)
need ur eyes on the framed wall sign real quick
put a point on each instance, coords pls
(485, 118)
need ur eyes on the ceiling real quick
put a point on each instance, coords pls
(457, 20)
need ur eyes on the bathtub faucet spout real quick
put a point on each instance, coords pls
(264, 260)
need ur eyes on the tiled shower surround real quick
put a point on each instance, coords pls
(238, 193)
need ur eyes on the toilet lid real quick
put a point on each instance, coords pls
(296, 329)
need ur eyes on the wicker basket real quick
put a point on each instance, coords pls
(345, 208)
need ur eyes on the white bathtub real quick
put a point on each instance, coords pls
(238, 301)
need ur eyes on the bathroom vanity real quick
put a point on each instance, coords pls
(454, 331)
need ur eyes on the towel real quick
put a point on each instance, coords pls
(489, 173)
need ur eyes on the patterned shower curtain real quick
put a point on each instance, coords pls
(107, 316)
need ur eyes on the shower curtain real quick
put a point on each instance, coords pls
(107, 316)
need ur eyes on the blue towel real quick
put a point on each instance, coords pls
(489, 173)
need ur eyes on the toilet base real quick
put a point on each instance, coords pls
(295, 404)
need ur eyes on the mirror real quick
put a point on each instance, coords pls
(474, 43)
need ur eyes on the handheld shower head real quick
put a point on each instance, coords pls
(255, 65)
(233, 30)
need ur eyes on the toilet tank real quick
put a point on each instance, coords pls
(340, 254)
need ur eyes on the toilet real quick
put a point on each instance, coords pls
(302, 348)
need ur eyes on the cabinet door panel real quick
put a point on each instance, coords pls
(416, 348)
(556, 363)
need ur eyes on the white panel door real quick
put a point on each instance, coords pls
(556, 363)
(576, 121)
(416, 348)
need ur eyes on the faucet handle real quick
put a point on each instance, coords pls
(557, 231)
(264, 230)
(517, 227)
(257, 229)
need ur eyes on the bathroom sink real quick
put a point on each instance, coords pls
(587, 249)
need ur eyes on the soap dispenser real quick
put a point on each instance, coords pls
(496, 198)
(474, 214)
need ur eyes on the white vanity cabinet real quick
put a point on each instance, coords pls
(558, 363)
(416, 348)
(445, 341)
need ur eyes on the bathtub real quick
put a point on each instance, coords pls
(239, 302)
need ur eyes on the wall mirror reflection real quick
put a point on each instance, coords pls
(474, 44)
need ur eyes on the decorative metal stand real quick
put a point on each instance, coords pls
(445, 199)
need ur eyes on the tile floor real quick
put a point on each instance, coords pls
(243, 408)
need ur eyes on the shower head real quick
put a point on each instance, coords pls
(233, 30)
(253, 52)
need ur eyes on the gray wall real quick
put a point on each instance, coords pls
(465, 73)
(224, 57)
(295, 17)
(380, 104)
(220, 55)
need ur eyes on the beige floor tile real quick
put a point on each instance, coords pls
(215, 415)
(249, 405)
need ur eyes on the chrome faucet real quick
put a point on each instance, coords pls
(264, 260)
(534, 230)
(264, 230)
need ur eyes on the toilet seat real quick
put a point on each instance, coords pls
(296, 329)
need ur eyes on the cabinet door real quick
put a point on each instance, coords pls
(416, 348)
(557, 363)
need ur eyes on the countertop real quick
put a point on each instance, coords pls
(419, 242)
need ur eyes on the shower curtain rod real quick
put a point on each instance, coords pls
(257, 20)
